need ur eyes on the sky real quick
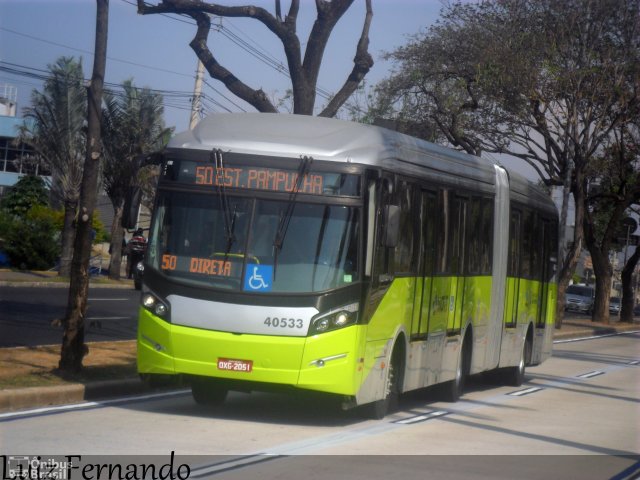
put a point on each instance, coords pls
(154, 50)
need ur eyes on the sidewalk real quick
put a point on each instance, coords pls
(120, 356)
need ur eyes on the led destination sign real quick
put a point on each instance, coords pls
(258, 178)
(262, 178)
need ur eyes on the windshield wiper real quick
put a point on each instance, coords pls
(278, 241)
(227, 217)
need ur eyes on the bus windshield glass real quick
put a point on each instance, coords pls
(192, 242)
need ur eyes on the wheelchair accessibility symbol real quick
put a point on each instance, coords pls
(258, 278)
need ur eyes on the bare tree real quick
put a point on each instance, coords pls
(303, 68)
(73, 346)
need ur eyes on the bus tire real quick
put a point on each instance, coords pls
(380, 408)
(207, 392)
(514, 376)
(454, 389)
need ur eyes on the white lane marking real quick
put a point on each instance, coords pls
(232, 464)
(590, 374)
(526, 391)
(423, 418)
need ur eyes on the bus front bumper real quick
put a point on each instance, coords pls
(325, 363)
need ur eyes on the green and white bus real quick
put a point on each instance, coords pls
(325, 255)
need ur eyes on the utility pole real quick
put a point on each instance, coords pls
(196, 104)
(73, 346)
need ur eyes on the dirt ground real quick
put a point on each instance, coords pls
(36, 366)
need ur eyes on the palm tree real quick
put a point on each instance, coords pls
(54, 127)
(132, 127)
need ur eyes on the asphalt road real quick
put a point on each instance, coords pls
(577, 416)
(28, 314)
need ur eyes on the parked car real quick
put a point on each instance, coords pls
(579, 298)
(614, 305)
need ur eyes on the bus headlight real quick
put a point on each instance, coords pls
(156, 306)
(337, 318)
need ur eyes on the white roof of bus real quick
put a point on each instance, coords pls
(287, 135)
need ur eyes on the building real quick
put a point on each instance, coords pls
(16, 159)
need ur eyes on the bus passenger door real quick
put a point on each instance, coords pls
(513, 271)
(458, 252)
(544, 275)
(421, 310)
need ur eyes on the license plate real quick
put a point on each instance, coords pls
(234, 365)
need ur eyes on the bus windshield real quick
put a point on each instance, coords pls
(192, 242)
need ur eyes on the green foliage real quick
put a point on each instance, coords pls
(98, 226)
(28, 192)
(31, 241)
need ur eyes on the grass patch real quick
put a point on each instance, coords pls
(37, 366)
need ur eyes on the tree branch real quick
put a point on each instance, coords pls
(362, 63)
(257, 98)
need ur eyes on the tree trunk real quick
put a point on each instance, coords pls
(570, 260)
(628, 298)
(68, 232)
(564, 255)
(603, 272)
(117, 234)
(73, 346)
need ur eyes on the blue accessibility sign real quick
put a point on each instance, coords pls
(258, 278)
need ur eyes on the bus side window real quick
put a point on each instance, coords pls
(528, 244)
(458, 236)
(406, 259)
(486, 232)
(513, 268)
(474, 258)
(384, 258)
(442, 232)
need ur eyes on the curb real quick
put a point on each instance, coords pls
(596, 332)
(34, 397)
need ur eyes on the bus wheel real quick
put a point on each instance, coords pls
(514, 376)
(380, 408)
(455, 388)
(207, 392)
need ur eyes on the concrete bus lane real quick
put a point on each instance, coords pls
(582, 402)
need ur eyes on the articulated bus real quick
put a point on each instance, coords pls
(325, 255)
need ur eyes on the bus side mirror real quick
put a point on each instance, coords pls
(392, 225)
(131, 207)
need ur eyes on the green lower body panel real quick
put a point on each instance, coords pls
(325, 363)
